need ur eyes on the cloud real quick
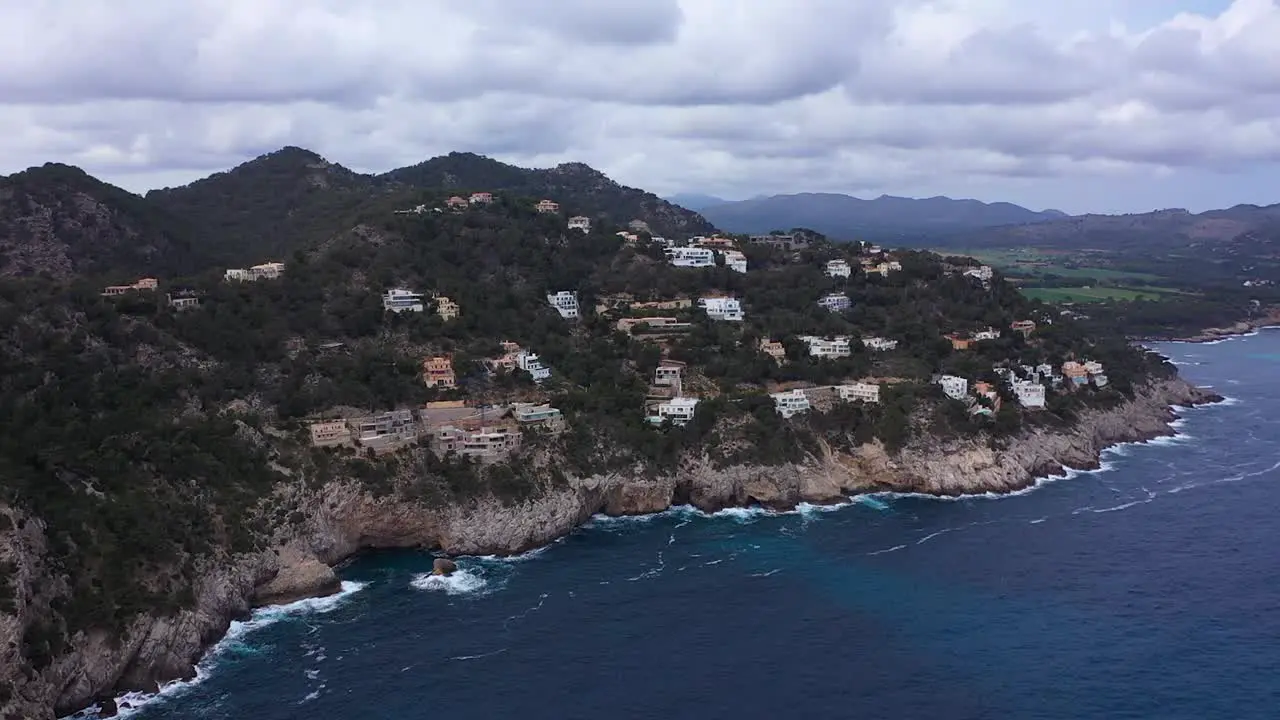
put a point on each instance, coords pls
(1023, 101)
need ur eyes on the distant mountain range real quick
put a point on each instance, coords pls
(843, 217)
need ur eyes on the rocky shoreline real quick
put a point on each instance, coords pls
(343, 520)
(1270, 319)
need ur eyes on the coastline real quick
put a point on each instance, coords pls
(1269, 321)
(344, 521)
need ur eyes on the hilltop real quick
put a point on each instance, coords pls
(473, 372)
(883, 219)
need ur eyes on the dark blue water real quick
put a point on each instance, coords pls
(1146, 590)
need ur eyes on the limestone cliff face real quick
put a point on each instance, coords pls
(342, 519)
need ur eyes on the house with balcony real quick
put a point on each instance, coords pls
(656, 326)
(508, 360)
(532, 364)
(735, 261)
(446, 308)
(265, 271)
(182, 300)
(385, 432)
(828, 347)
(677, 411)
(1096, 373)
(838, 269)
(142, 284)
(437, 372)
(330, 433)
(789, 241)
(773, 349)
(547, 206)
(879, 344)
(1075, 373)
(541, 417)
(480, 198)
(956, 388)
(882, 269)
(484, 444)
(580, 222)
(859, 392)
(835, 302)
(1023, 327)
(691, 257)
(457, 203)
(989, 333)
(668, 373)
(1030, 394)
(960, 342)
(724, 309)
(790, 403)
(565, 302)
(398, 300)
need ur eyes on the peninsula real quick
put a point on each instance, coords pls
(212, 395)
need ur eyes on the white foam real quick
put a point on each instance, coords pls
(260, 618)
(459, 582)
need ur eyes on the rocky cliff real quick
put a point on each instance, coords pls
(343, 519)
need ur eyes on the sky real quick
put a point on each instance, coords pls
(1083, 106)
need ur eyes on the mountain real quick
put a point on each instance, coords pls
(885, 218)
(695, 201)
(579, 188)
(58, 221)
(1157, 231)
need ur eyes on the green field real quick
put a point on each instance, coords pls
(1035, 262)
(1098, 294)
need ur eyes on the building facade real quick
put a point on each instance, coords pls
(725, 309)
(790, 403)
(860, 392)
(398, 300)
(565, 302)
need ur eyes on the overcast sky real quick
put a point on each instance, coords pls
(1082, 105)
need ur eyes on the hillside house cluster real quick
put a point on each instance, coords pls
(514, 358)
(565, 302)
(724, 309)
(1078, 374)
(265, 271)
(981, 272)
(142, 284)
(580, 222)
(835, 302)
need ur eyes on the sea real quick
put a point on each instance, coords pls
(1145, 589)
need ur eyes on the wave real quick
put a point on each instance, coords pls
(131, 703)
(459, 582)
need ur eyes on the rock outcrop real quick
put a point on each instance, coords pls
(342, 519)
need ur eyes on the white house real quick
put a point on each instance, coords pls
(668, 375)
(1096, 373)
(982, 272)
(580, 222)
(735, 261)
(565, 302)
(834, 347)
(399, 300)
(677, 411)
(692, 257)
(532, 364)
(836, 302)
(864, 392)
(790, 403)
(879, 343)
(954, 387)
(722, 308)
(988, 334)
(838, 268)
(1029, 393)
(265, 271)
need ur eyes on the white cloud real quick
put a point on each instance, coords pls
(1021, 101)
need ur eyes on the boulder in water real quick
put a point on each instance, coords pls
(443, 566)
(107, 708)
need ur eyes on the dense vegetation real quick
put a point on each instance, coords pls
(146, 438)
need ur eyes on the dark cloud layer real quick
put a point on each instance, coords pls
(912, 96)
